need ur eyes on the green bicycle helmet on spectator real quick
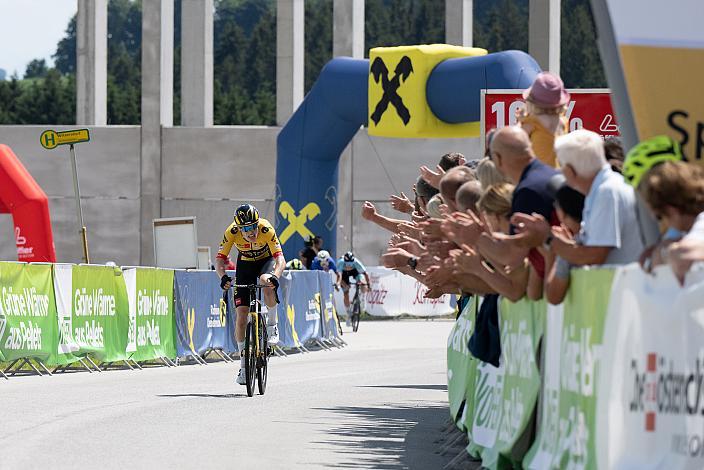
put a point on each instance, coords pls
(295, 265)
(648, 153)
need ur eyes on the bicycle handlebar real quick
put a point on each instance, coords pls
(274, 284)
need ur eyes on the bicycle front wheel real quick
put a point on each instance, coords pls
(250, 357)
(355, 317)
(263, 359)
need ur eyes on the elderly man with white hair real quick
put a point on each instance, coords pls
(609, 233)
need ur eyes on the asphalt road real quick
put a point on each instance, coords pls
(378, 403)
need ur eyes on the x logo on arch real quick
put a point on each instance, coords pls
(390, 87)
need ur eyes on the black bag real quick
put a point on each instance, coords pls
(485, 342)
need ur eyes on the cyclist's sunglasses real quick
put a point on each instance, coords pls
(249, 228)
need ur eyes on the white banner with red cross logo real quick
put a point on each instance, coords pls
(650, 411)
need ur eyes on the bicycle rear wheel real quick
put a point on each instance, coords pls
(250, 357)
(263, 359)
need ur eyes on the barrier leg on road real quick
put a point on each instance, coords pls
(41, 364)
(279, 351)
(18, 364)
(67, 367)
(167, 362)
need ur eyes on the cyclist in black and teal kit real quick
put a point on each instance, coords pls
(348, 266)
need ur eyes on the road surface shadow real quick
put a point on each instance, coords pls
(204, 395)
(442, 387)
(389, 437)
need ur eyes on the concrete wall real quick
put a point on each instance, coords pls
(206, 173)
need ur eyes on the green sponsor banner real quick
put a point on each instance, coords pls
(94, 315)
(461, 365)
(28, 327)
(566, 437)
(506, 397)
(151, 307)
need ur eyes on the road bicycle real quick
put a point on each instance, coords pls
(356, 306)
(256, 348)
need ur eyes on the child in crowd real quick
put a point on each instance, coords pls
(569, 205)
(544, 115)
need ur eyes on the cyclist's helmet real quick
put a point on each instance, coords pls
(349, 257)
(648, 153)
(245, 215)
(294, 265)
(323, 255)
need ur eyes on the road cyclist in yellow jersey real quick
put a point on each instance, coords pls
(260, 260)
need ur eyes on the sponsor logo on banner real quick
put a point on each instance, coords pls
(23, 251)
(26, 334)
(487, 408)
(313, 312)
(217, 316)
(663, 387)
(377, 290)
(421, 299)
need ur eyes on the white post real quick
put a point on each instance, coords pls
(458, 22)
(157, 110)
(92, 62)
(348, 28)
(289, 58)
(197, 63)
(544, 33)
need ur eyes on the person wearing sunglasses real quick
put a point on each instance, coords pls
(260, 259)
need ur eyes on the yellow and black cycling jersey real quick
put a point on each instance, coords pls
(265, 246)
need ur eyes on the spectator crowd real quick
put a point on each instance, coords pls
(542, 201)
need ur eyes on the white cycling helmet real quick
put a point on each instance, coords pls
(323, 255)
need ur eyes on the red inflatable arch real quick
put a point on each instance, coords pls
(22, 197)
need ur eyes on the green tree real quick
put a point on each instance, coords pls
(36, 69)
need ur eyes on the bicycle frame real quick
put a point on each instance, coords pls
(255, 296)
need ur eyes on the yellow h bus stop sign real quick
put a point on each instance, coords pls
(51, 139)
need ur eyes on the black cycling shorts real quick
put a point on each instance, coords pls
(248, 272)
(346, 275)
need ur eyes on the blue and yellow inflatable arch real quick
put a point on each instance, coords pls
(405, 92)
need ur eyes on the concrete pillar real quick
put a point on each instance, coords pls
(544, 33)
(197, 53)
(289, 58)
(348, 28)
(458, 22)
(92, 62)
(157, 110)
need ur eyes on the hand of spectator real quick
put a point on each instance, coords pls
(464, 228)
(395, 239)
(434, 293)
(427, 261)
(401, 203)
(440, 249)
(432, 230)
(562, 232)
(418, 218)
(467, 260)
(432, 177)
(411, 245)
(438, 276)
(368, 210)
(532, 229)
(395, 257)
(410, 231)
(681, 255)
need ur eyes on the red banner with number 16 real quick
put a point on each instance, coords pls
(588, 109)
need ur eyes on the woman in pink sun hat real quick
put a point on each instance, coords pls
(544, 115)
